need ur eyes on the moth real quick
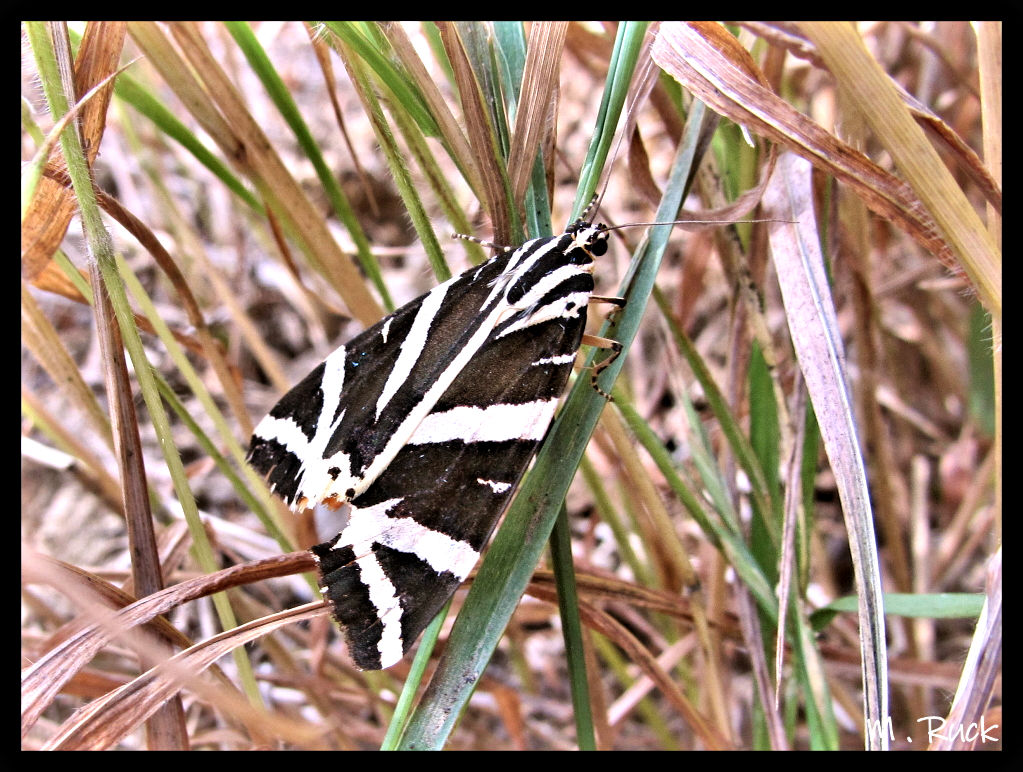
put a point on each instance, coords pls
(424, 424)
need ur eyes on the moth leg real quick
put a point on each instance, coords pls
(599, 367)
(618, 303)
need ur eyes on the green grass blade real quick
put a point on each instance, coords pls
(285, 103)
(516, 548)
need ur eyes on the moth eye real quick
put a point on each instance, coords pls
(599, 247)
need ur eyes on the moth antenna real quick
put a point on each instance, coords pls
(482, 242)
(594, 204)
(589, 214)
(693, 222)
(643, 83)
(645, 80)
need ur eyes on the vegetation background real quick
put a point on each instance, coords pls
(267, 190)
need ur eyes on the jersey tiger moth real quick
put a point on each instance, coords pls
(425, 424)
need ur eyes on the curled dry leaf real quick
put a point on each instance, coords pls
(787, 36)
(712, 64)
(52, 206)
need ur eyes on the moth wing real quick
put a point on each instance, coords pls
(426, 422)
(318, 442)
(416, 532)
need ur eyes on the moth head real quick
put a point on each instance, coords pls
(590, 238)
